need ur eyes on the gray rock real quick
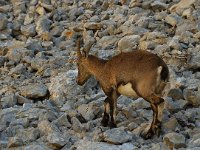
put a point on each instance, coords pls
(29, 18)
(195, 140)
(62, 86)
(140, 103)
(28, 135)
(76, 125)
(192, 97)
(75, 12)
(34, 44)
(170, 124)
(18, 7)
(182, 5)
(37, 63)
(174, 43)
(18, 70)
(93, 26)
(34, 91)
(28, 30)
(14, 142)
(16, 54)
(89, 111)
(21, 100)
(3, 21)
(47, 128)
(176, 94)
(2, 61)
(8, 101)
(157, 5)
(21, 121)
(37, 147)
(174, 140)
(172, 19)
(83, 145)
(57, 140)
(63, 121)
(42, 25)
(107, 42)
(128, 43)
(117, 136)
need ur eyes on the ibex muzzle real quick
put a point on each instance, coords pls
(133, 74)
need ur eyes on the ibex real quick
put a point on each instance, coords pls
(134, 74)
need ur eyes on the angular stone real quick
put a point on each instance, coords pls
(37, 147)
(88, 145)
(76, 125)
(117, 136)
(57, 140)
(30, 16)
(93, 26)
(191, 96)
(88, 111)
(28, 135)
(2, 60)
(21, 100)
(176, 94)
(34, 91)
(3, 21)
(43, 25)
(140, 103)
(107, 42)
(183, 4)
(18, 70)
(8, 101)
(28, 30)
(174, 140)
(172, 19)
(128, 42)
(40, 10)
(63, 121)
(171, 124)
(14, 142)
(47, 128)
(157, 5)
(16, 54)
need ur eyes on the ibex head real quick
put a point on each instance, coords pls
(83, 74)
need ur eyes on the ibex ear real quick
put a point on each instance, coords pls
(78, 48)
(84, 53)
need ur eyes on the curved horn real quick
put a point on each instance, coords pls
(78, 48)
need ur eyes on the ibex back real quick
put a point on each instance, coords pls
(133, 74)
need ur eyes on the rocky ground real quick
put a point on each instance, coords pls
(42, 107)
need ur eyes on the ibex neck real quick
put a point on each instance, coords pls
(95, 65)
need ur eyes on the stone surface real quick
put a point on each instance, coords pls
(128, 42)
(117, 136)
(35, 91)
(174, 140)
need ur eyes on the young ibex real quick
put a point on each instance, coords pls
(133, 74)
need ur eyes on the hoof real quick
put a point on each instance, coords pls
(147, 135)
(105, 120)
(151, 132)
(112, 125)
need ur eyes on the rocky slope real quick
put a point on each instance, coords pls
(43, 108)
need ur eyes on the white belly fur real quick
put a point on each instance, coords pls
(127, 90)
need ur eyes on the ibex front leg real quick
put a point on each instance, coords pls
(106, 117)
(113, 107)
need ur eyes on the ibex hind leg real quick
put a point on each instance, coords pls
(157, 105)
(113, 108)
(106, 117)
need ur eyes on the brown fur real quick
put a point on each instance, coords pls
(140, 68)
